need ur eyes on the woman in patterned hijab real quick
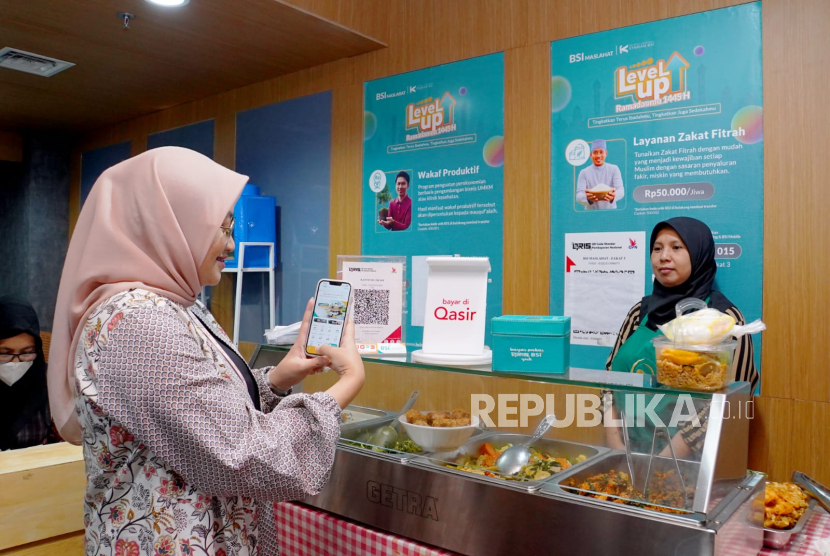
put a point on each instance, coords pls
(186, 448)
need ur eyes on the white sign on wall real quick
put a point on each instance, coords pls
(604, 278)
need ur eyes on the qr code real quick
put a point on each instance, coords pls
(371, 306)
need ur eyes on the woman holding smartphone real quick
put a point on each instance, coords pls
(186, 448)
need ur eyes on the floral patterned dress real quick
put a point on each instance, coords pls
(178, 460)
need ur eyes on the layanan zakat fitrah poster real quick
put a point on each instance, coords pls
(650, 122)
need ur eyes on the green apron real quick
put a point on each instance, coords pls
(636, 355)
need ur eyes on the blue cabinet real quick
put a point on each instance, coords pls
(256, 221)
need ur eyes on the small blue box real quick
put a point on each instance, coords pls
(531, 344)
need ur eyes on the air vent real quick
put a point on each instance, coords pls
(21, 60)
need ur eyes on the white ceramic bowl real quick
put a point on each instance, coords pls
(439, 439)
(600, 190)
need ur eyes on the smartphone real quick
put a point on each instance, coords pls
(331, 307)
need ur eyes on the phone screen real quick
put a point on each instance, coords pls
(330, 306)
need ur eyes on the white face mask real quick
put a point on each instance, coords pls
(12, 372)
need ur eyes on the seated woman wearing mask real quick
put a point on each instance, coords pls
(24, 405)
(683, 262)
(186, 448)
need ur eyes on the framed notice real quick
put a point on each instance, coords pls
(378, 305)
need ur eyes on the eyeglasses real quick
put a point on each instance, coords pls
(228, 230)
(22, 357)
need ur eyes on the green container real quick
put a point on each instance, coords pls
(531, 344)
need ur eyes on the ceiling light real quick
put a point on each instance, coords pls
(169, 3)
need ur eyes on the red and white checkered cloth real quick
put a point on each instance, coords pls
(303, 531)
(801, 544)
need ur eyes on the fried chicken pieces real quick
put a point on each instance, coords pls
(454, 418)
(784, 504)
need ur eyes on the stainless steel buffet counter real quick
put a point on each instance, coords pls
(418, 496)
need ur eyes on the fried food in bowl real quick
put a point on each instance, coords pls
(439, 431)
(454, 418)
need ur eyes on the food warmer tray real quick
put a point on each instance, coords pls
(464, 513)
(561, 448)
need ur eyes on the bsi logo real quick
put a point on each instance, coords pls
(581, 56)
(402, 500)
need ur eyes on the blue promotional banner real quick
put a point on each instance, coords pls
(651, 122)
(433, 181)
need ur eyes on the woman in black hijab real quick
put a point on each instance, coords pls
(683, 261)
(24, 404)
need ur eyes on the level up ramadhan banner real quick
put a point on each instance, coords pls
(676, 106)
(433, 180)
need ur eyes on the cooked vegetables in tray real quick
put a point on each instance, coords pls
(615, 486)
(385, 440)
(541, 465)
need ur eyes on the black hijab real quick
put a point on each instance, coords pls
(660, 305)
(24, 407)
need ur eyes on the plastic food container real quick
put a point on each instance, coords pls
(694, 367)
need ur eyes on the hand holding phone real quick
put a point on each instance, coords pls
(346, 362)
(330, 329)
(332, 300)
(296, 365)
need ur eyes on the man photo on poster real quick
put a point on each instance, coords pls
(400, 209)
(600, 185)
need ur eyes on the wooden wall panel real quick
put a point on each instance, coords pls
(796, 223)
(224, 152)
(557, 19)
(790, 435)
(371, 20)
(810, 449)
(71, 544)
(421, 33)
(346, 175)
(431, 32)
(770, 437)
(41, 493)
(11, 146)
(74, 188)
(527, 180)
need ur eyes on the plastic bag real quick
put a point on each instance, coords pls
(283, 335)
(705, 326)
